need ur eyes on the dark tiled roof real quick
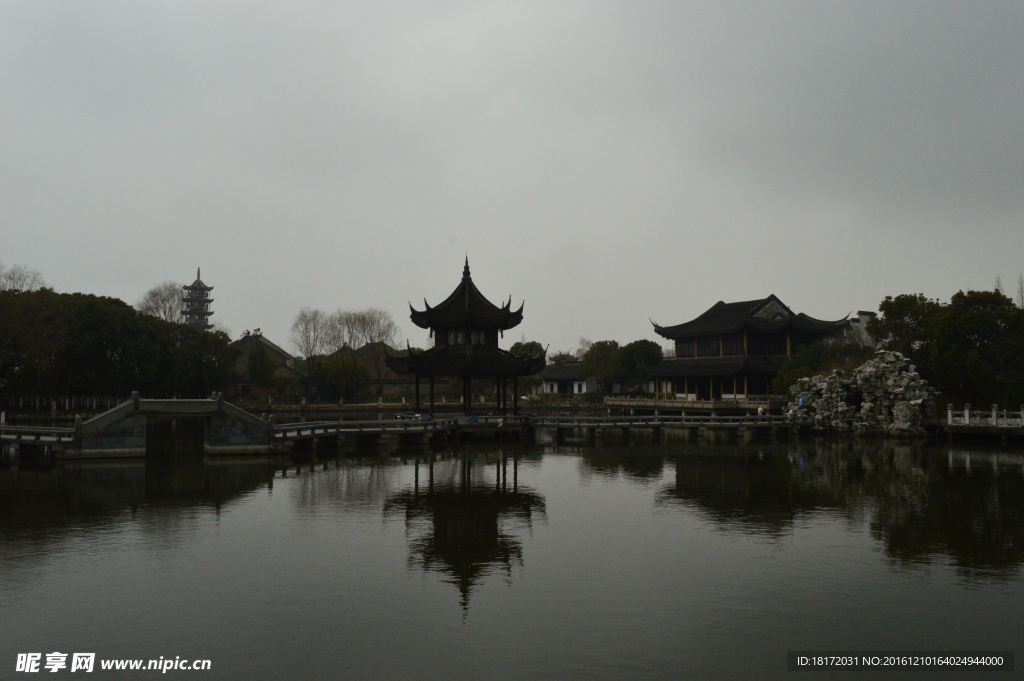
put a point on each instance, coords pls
(716, 366)
(765, 315)
(477, 360)
(258, 338)
(562, 371)
(467, 307)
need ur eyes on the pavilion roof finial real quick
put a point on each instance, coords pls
(465, 270)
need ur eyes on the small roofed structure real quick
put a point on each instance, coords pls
(466, 328)
(734, 350)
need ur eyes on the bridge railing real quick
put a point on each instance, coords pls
(9, 433)
(286, 431)
(992, 417)
(689, 420)
(672, 402)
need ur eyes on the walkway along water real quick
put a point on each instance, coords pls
(228, 429)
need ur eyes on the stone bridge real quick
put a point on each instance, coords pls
(122, 431)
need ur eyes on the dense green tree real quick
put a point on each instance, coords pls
(977, 352)
(603, 361)
(635, 357)
(904, 327)
(342, 377)
(524, 349)
(79, 344)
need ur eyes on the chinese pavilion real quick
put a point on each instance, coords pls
(466, 328)
(734, 350)
(197, 304)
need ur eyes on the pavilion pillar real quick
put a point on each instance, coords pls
(515, 395)
(431, 395)
(417, 392)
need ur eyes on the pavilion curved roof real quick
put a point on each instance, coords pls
(715, 366)
(479, 360)
(764, 315)
(467, 307)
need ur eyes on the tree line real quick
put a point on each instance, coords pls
(970, 349)
(611, 365)
(75, 344)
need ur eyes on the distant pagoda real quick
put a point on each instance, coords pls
(197, 304)
(466, 328)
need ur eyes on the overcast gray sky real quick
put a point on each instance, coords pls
(605, 162)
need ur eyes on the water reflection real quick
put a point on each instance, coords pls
(923, 503)
(746, 488)
(465, 513)
(462, 515)
(639, 462)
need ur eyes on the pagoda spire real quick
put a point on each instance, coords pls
(196, 299)
(465, 270)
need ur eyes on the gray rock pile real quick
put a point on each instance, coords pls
(885, 394)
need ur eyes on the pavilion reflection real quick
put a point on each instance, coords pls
(462, 515)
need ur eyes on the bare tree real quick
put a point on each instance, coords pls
(1020, 290)
(360, 327)
(999, 284)
(163, 301)
(378, 327)
(585, 344)
(308, 332)
(20, 278)
(336, 331)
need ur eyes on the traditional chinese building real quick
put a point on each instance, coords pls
(466, 328)
(197, 304)
(734, 350)
(270, 374)
(565, 379)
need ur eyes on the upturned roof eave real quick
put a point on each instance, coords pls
(466, 306)
(723, 318)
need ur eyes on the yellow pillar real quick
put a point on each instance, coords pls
(789, 349)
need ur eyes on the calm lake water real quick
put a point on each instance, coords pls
(671, 561)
